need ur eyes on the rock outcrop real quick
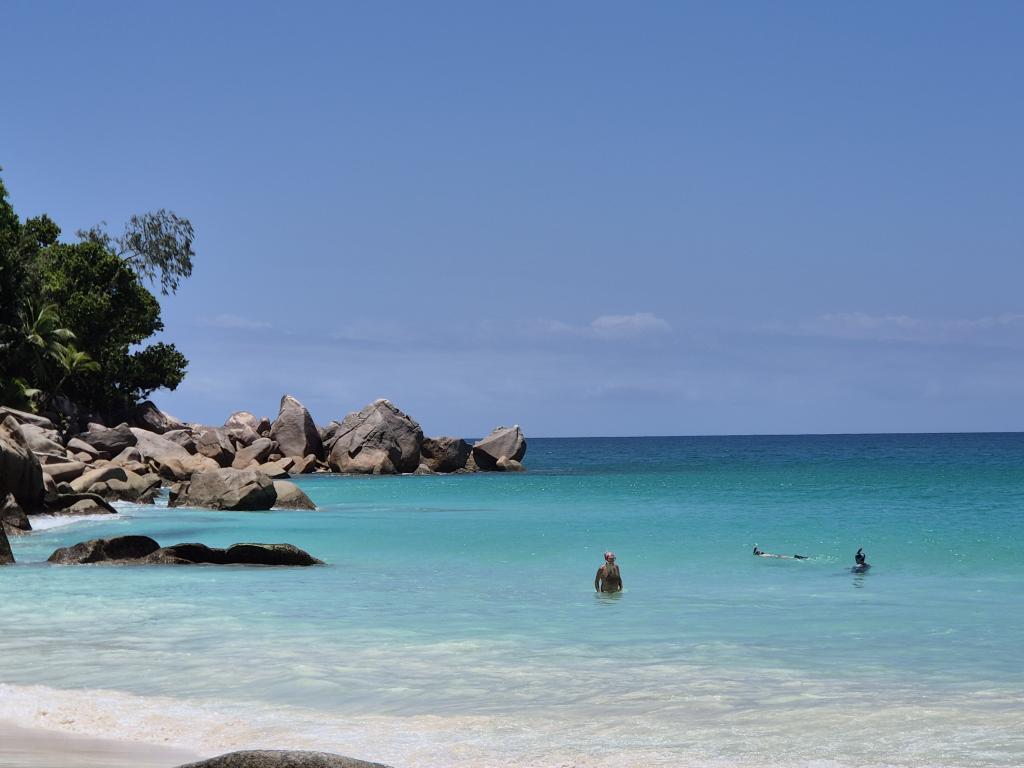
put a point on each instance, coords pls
(378, 440)
(294, 430)
(20, 472)
(142, 550)
(230, 489)
(444, 454)
(281, 759)
(503, 442)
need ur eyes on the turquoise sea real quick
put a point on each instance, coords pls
(456, 623)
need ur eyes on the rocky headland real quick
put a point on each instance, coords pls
(242, 465)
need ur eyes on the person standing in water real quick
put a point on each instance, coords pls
(609, 577)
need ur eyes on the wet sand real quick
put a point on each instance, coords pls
(36, 748)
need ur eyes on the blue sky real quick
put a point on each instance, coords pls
(589, 218)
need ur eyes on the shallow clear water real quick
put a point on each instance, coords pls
(462, 608)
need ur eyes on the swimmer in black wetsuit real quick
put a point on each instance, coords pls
(860, 561)
(759, 553)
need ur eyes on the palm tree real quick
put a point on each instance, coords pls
(42, 334)
(71, 362)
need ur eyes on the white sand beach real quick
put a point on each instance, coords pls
(37, 748)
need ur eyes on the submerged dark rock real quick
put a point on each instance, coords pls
(142, 550)
(266, 758)
(103, 550)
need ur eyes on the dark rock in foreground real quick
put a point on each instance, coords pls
(101, 550)
(142, 550)
(275, 759)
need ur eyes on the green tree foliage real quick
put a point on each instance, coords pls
(74, 316)
(103, 301)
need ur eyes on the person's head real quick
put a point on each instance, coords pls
(609, 557)
(860, 557)
(757, 550)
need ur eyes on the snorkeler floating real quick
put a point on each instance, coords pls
(608, 578)
(860, 560)
(759, 553)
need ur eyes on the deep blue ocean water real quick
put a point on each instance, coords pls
(457, 623)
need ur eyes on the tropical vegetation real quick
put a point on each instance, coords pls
(75, 316)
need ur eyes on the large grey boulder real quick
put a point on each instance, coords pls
(183, 467)
(150, 418)
(329, 434)
(77, 446)
(109, 441)
(182, 437)
(153, 446)
(503, 442)
(101, 550)
(94, 477)
(43, 442)
(232, 489)
(256, 453)
(24, 417)
(265, 758)
(290, 496)
(444, 454)
(20, 472)
(241, 420)
(66, 471)
(216, 444)
(379, 440)
(294, 430)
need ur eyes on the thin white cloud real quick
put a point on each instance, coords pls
(1006, 327)
(235, 322)
(637, 324)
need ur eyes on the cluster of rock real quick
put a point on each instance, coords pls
(142, 550)
(382, 440)
(242, 465)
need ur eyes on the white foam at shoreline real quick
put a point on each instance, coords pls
(49, 522)
(760, 738)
